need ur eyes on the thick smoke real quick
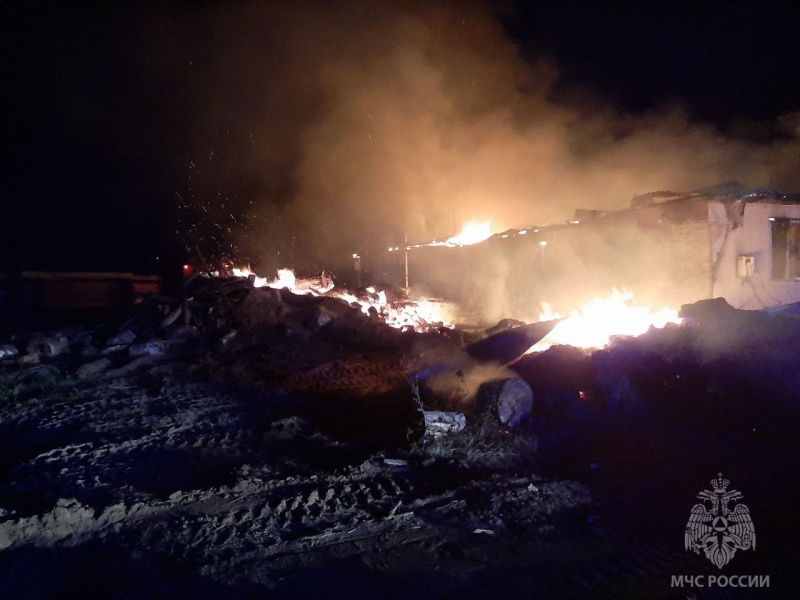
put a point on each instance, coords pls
(340, 128)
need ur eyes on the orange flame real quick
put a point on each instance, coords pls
(472, 233)
(419, 314)
(600, 319)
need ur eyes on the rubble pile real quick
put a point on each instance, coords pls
(211, 315)
(325, 346)
(328, 347)
(734, 366)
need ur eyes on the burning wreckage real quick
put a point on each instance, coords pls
(274, 434)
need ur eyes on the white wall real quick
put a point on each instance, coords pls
(754, 238)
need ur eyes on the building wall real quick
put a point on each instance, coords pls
(754, 238)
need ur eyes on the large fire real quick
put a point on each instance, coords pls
(592, 326)
(600, 319)
(419, 314)
(287, 279)
(472, 233)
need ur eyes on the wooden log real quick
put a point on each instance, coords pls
(439, 422)
(48, 345)
(8, 351)
(511, 400)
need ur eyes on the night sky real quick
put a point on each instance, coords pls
(124, 127)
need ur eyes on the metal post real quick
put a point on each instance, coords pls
(357, 268)
(406, 261)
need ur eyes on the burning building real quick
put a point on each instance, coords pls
(667, 248)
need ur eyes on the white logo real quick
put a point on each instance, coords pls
(716, 529)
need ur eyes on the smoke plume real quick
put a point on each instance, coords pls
(327, 129)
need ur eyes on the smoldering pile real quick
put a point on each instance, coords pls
(348, 360)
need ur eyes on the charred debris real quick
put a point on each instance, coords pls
(366, 381)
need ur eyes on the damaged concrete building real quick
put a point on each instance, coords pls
(667, 248)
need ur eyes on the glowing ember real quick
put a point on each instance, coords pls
(602, 318)
(286, 279)
(472, 233)
(419, 314)
(246, 272)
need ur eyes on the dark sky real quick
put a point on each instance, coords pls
(726, 60)
(124, 127)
